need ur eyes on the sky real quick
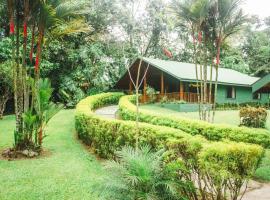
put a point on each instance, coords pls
(257, 7)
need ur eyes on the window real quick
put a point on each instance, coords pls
(256, 96)
(231, 94)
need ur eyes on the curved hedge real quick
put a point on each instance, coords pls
(210, 161)
(213, 132)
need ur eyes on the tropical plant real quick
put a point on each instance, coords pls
(229, 19)
(139, 174)
(210, 23)
(37, 117)
(56, 18)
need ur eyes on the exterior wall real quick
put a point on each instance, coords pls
(243, 95)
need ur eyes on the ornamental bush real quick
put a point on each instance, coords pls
(194, 158)
(213, 132)
(253, 117)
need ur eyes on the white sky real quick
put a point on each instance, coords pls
(257, 7)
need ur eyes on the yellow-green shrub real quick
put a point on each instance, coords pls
(199, 155)
(253, 117)
(213, 132)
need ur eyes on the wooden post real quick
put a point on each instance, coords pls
(181, 91)
(144, 89)
(162, 84)
(130, 87)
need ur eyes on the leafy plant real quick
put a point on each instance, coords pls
(253, 117)
(139, 174)
(151, 92)
(6, 85)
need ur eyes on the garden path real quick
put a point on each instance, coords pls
(257, 191)
(108, 111)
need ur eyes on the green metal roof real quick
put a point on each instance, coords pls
(186, 72)
(261, 83)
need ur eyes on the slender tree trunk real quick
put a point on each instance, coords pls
(210, 92)
(32, 42)
(3, 100)
(24, 68)
(137, 104)
(19, 120)
(202, 93)
(196, 71)
(216, 80)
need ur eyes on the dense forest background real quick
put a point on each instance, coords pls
(119, 31)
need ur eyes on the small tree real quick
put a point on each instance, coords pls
(137, 82)
(6, 85)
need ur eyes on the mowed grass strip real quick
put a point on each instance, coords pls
(68, 171)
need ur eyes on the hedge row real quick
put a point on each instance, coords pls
(212, 132)
(216, 160)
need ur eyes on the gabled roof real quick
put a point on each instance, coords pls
(262, 84)
(186, 72)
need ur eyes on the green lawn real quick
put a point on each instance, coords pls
(224, 117)
(69, 172)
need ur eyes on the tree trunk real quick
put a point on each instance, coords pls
(19, 82)
(3, 100)
(210, 92)
(216, 80)
(24, 68)
(137, 104)
(196, 71)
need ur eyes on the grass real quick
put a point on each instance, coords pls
(68, 172)
(223, 117)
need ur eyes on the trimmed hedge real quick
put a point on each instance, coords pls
(199, 156)
(106, 136)
(213, 132)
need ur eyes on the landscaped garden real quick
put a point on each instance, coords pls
(134, 100)
(222, 117)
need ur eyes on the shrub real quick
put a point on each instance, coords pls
(253, 117)
(213, 132)
(186, 154)
(151, 93)
(140, 174)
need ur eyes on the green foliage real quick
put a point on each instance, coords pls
(237, 106)
(5, 49)
(6, 84)
(257, 51)
(36, 118)
(186, 153)
(253, 117)
(213, 132)
(151, 93)
(139, 174)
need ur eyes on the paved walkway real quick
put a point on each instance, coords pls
(108, 111)
(255, 190)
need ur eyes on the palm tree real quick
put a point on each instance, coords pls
(229, 19)
(138, 174)
(192, 15)
(51, 17)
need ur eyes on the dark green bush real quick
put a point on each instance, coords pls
(213, 132)
(190, 155)
(253, 117)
